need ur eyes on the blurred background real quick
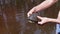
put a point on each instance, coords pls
(13, 17)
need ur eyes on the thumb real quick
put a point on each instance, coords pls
(40, 23)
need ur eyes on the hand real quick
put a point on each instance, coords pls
(30, 12)
(43, 20)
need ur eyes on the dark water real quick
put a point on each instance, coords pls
(13, 18)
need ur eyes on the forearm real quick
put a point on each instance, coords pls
(45, 4)
(54, 20)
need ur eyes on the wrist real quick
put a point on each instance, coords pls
(36, 9)
(52, 20)
(33, 10)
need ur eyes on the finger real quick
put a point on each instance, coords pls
(27, 15)
(41, 22)
(39, 17)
